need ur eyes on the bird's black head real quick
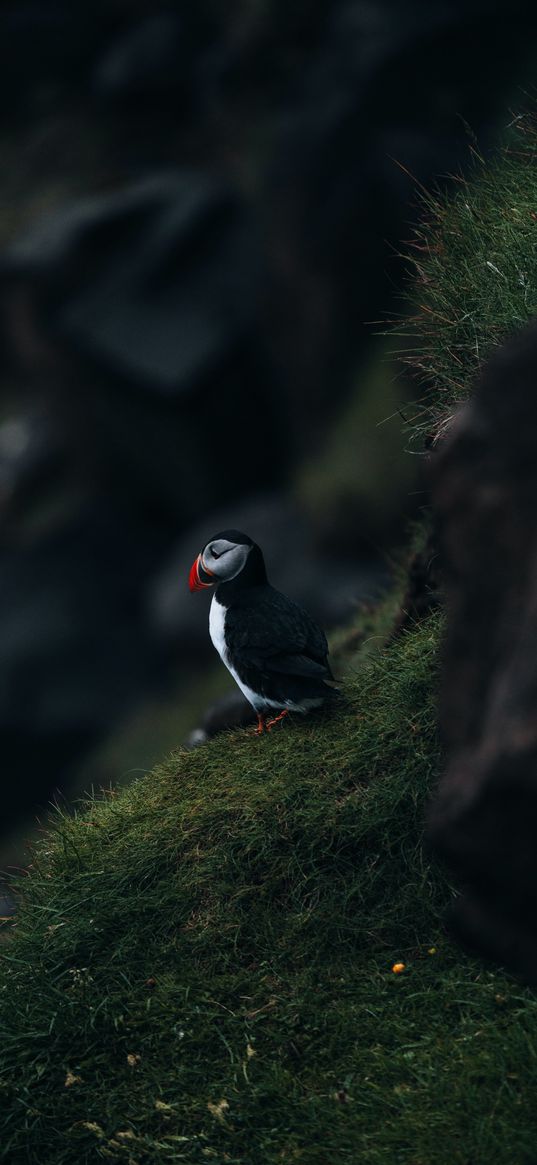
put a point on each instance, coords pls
(233, 536)
(228, 555)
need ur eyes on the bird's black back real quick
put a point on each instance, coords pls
(275, 646)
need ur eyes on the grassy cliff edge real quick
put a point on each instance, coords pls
(203, 963)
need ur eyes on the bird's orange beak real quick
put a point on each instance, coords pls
(199, 577)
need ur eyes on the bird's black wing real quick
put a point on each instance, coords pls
(267, 630)
(298, 665)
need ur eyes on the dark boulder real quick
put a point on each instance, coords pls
(154, 281)
(484, 817)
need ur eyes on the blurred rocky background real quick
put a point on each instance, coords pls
(202, 209)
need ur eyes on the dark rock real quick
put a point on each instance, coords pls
(151, 57)
(154, 282)
(145, 300)
(484, 817)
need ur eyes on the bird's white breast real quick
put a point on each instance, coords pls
(217, 624)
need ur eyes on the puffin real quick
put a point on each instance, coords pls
(274, 650)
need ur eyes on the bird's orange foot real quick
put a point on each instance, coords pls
(270, 723)
(260, 724)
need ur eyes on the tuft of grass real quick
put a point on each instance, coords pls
(473, 263)
(201, 969)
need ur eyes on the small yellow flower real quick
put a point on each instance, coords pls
(218, 1110)
(431, 951)
(398, 968)
(71, 1079)
(92, 1127)
(162, 1106)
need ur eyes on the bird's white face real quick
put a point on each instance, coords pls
(219, 561)
(224, 559)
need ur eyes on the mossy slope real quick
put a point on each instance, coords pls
(202, 968)
(473, 262)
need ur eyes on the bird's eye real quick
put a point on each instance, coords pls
(214, 553)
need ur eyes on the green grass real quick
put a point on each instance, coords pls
(473, 265)
(232, 919)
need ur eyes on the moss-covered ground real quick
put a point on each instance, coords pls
(202, 968)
